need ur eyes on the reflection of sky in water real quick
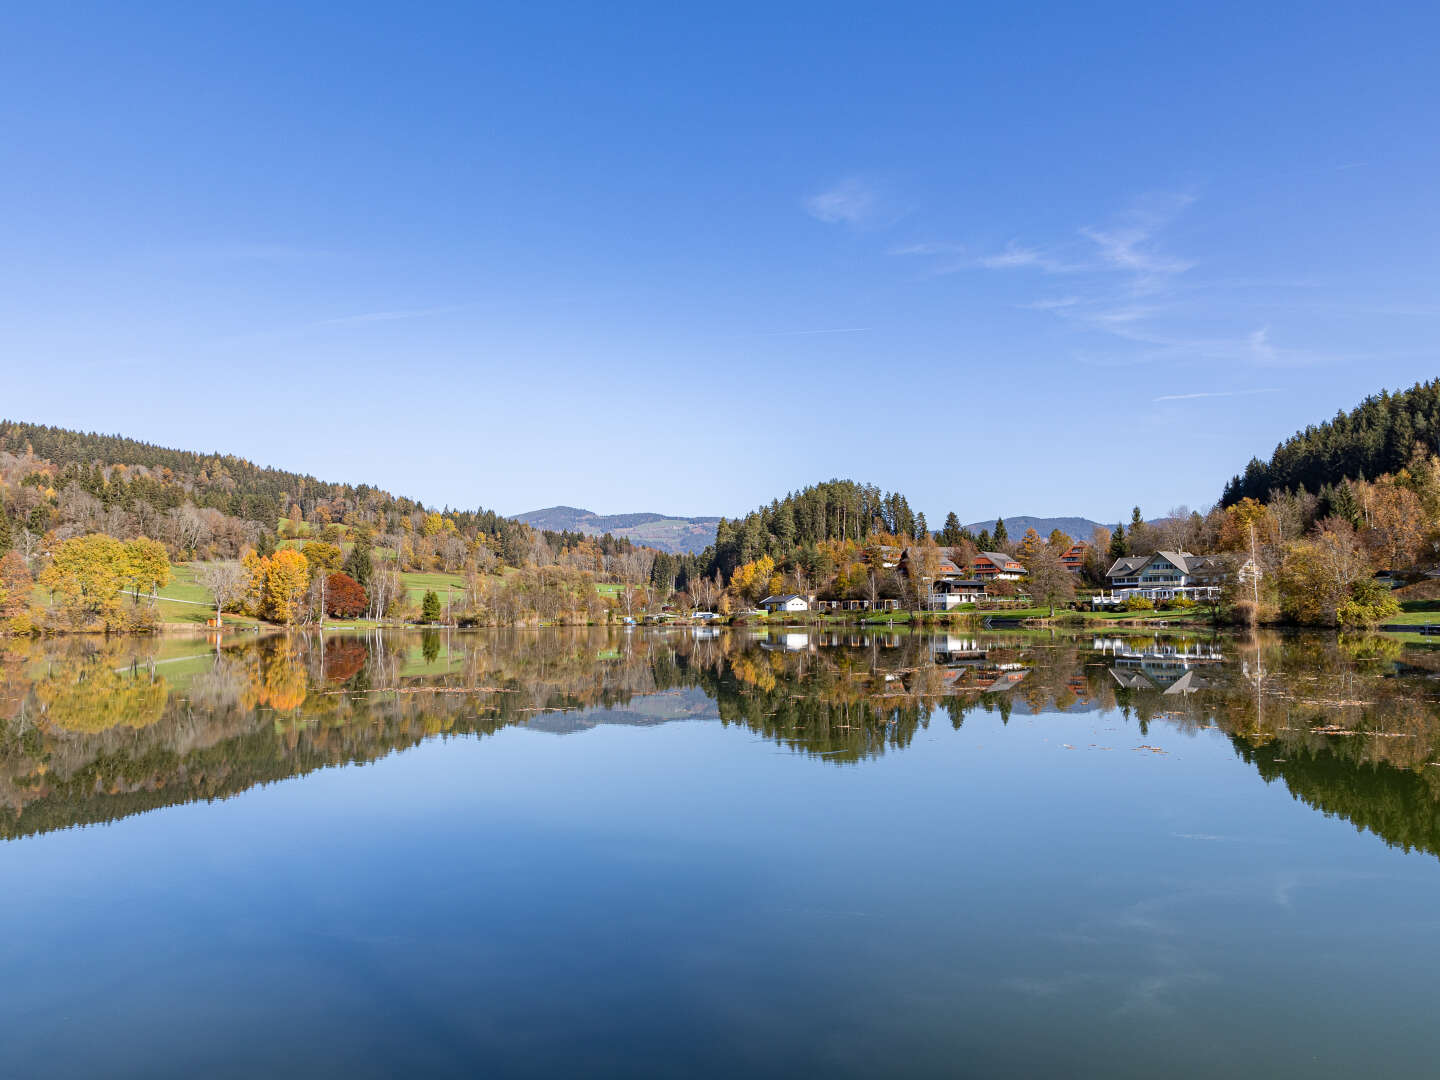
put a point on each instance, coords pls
(1026, 894)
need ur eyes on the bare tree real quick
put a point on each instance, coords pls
(1048, 581)
(227, 582)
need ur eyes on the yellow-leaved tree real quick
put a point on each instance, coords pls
(753, 578)
(287, 578)
(85, 576)
(147, 566)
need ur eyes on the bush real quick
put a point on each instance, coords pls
(1136, 602)
(1370, 604)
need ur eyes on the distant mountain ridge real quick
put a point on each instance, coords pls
(674, 534)
(1077, 528)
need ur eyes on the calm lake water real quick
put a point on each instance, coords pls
(702, 853)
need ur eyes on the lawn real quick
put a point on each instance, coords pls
(417, 584)
(1416, 613)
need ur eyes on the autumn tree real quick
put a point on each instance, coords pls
(14, 585)
(322, 557)
(344, 598)
(1318, 575)
(147, 566)
(751, 580)
(86, 574)
(286, 580)
(1030, 543)
(1047, 580)
(922, 567)
(1395, 520)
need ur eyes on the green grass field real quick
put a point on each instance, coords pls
(1417, 613)
(418, 583)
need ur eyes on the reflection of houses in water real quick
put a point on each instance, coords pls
(1150, 664)
(1169, 675)
(1154, 648)
(1078, 685)
(949, 648)
(979, 676)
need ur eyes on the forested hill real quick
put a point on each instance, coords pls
(1379, 436)
(223, 482)
(662, 531)
(138, 479)
(834, 510)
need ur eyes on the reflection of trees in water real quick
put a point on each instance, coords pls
(93, 731)
(99, 686)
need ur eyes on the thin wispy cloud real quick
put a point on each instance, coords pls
(1016, 257)
(1217, 394)
(927, 249)
(850, 202)
(1261, 347)
(1056, 303)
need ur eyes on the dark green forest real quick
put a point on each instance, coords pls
(1379, 436)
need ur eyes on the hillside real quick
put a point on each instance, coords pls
(1378, 436)
(1077, 528)
(679, 535)
(53, 477)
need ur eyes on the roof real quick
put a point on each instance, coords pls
(782, 599)
(1182, 560)
(999, 558)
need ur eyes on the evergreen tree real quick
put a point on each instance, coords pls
(984, 541)
(922, 530)
(7, 534)
(951, 534)
(1001, 536)
(359, 563)
(430, 607)
(1119, 546)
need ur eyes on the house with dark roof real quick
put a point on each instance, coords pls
(788, 602)
(949, 587)
(996, 566)
(1166, 575)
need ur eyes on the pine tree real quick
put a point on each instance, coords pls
(7, 535)
(1119, 546)
(1001, 536)
(430, 608)
(951, 534)
(359, 563)
(922, 530)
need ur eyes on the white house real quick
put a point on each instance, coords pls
(1166, 575)
(789, 602)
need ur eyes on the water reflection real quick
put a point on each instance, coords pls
(92, 731)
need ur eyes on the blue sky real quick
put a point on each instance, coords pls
(1022, 260)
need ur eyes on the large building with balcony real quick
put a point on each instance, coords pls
(1166, 575)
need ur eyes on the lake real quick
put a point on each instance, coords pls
(713, 853)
